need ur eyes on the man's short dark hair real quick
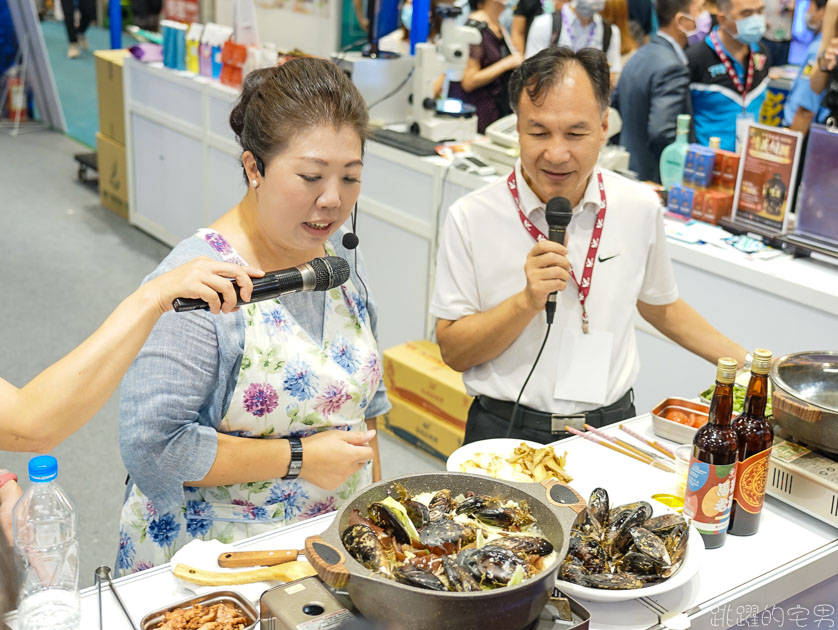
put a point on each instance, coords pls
(668, 9)
(819, 4)
(543, 70)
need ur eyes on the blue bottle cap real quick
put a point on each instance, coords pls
(43, 468)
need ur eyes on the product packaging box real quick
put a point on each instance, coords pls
(421, 428)
(730, 171)
(686, 208)
(703, 168)
(113, 183)
(415, 372)
(698, 204)
(717, 205)
(109, 88)
(689, 165)
(673, 199)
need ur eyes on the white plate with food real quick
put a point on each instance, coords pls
(652, 551)
(510, 460)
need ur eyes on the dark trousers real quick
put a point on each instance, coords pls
(483, 425)
(87, 8)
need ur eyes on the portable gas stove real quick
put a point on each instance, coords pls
(804, 479)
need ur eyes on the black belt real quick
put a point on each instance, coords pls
(556, 422)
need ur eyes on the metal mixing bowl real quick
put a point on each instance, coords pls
(805, 398)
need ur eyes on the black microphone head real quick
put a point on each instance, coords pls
(350, 240)
(329, 272)
(558, 211)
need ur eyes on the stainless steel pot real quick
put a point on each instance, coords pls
(805, 398)
(555, 507)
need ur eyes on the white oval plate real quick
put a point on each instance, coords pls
(692, 563)
(497, 446)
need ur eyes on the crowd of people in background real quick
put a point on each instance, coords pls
(706, 58)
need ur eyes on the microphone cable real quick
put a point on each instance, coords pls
(514, 416)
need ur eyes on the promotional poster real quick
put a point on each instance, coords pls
(767, 176)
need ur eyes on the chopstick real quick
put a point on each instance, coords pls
(638, 451)
(596, 440)
(653, 443)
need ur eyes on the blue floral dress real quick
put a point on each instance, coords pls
(288, 385)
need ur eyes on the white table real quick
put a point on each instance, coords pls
(790, 553)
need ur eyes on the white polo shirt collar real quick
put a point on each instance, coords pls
(535, 209)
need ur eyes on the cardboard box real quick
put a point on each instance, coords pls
(716, 205)
(113, 183)
(698, 204)
(415, 372)
(109, 88)
(423, 430)
(703, 171)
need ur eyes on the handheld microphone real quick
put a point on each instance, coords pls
(559, 213)
(320, 274)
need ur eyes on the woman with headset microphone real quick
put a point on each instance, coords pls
(241, 424)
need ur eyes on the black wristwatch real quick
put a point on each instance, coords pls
(296, 464)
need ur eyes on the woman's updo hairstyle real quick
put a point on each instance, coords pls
(278, 103)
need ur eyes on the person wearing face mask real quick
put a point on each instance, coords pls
(654, 87)
(486, 75)
(729, 73)
(525, 12)
(577, 25)
(239, 424)
(803, 105)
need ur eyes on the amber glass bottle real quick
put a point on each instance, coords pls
(712, 475)
(755, 437)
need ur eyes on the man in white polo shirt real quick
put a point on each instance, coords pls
(495, 271)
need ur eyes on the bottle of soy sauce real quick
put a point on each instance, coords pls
(755, 436)
(712, 475)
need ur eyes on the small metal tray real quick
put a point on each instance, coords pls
(670, 430)
(153, 619)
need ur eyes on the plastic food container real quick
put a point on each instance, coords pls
(671, 430)
(153, 619)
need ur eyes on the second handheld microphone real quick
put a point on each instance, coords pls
(559, 213)
(320, 274)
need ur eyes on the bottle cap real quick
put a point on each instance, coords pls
(762, 361)
(726, 370)
(43, 468)
(683, 123)
(715, 142)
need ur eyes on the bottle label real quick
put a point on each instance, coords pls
(709, 495)
(751, 477)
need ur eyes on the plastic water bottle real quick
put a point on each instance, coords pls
(47, 552)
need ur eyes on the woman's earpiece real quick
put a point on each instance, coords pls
(350, 239)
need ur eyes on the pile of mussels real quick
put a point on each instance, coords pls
(623, 547)
(423, 546)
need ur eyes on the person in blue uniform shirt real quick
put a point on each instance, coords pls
(729, 72)
(803, 105)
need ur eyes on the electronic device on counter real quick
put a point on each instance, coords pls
(473, 164)
(302, 604)
(405, 141)
(504, 131)
(382, 82)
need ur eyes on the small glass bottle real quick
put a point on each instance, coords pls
(674, 156)
(712, 474)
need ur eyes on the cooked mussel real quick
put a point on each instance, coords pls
(613, 581)
(363, 545)
(636, 562)
(418, 514)
(440, 505)
(491, 565)
(598, 506)
(650, 545)
(459, 579)
(622, 512)
(477, 502)
(676, 545)
(415, 576)
(446, 532)
(525, 544)
(572, 571)
(617, 537)
(391, 516)
(666, 524)
(588, 551)
(504, 516)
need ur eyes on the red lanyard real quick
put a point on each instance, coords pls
(583, 287)
(749, 79)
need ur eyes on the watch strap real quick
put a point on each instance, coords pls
(6, 477)
(296, 464)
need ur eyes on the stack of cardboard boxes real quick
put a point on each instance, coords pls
(110, 140)
(430, 403)
(709, 182)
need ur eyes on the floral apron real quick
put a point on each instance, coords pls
(288, 385)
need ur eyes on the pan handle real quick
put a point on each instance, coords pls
(327, 561)
(801, 410)
(562, 495)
